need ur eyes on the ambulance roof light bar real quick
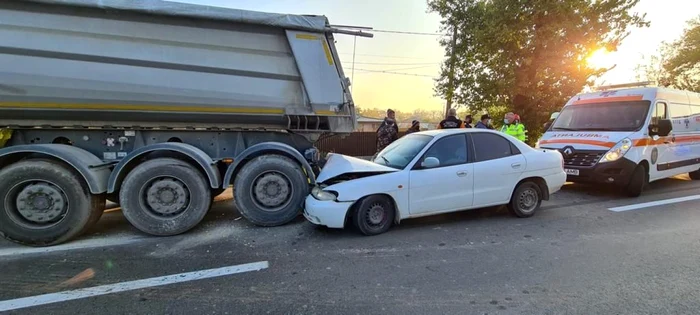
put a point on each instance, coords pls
(625, 85)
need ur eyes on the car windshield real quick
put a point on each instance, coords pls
(401, 152)
(611, 116)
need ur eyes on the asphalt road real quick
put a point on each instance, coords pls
(574, 257)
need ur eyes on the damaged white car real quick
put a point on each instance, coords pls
(434, 172)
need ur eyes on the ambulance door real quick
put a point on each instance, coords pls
(660, 149)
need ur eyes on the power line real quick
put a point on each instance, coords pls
(387, 56)
(395, 64)
(406, 32)
(398, 73)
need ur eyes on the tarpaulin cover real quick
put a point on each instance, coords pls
(170, 8)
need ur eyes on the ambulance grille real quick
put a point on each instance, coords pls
(583, 158)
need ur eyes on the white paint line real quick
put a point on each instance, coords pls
(97, 242)
(654, 203)
(64, 296)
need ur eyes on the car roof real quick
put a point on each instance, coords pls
(441, 132)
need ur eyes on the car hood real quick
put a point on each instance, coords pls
(339, 165)
(585, 140)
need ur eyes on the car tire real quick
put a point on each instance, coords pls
(165, 197)
(638, 181)
(694, 175)
(374, 215)
(278, 207)
(55, 184)
(526, 199)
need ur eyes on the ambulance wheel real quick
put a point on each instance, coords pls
(694, 175)
(638, 181)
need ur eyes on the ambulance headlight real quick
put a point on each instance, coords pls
(618, 151)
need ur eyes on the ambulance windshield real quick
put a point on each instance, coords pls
(611, 116)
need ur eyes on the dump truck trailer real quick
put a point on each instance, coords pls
(160, 106)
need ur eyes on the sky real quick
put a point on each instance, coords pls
(421, 55)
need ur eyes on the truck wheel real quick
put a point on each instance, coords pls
(43, 203)
(165, 197)
(270, 190)
(526, 199)
(638, 182)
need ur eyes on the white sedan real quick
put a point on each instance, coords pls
(434, 172)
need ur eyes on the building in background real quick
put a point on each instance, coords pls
(368, 124)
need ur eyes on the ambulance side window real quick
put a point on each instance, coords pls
(659, 113)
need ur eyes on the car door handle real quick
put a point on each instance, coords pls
(515, 165)
(462, 173)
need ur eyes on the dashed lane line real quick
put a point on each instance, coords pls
(64, 296)
(654, 203)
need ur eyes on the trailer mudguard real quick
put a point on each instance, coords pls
(91, 168)
(268, 148)
(200, 157)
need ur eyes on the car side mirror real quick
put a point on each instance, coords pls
(430, 162)
(662, 128)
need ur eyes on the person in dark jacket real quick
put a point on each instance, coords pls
(485, 122)
(415, 127)
(468, 121)
(388, 131)
(451, 121)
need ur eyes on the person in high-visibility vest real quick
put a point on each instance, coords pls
(520, 125)
(512, 128)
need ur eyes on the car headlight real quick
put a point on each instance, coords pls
(323, 195)
(618, 151)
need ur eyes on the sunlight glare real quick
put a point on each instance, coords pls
(600, 58)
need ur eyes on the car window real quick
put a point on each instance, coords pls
(659, 113)
(489, 146)
(451, 150)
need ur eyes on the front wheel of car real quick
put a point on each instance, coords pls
(526, 199)
(374, 215)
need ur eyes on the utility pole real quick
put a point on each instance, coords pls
(352, 76)
(451, 78)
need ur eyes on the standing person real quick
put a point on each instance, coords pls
(521, 127)
(451, 121)
(484, 123)
(388, 131)
(511, 128)
(550, 122)
(468, 121)
(415, 127)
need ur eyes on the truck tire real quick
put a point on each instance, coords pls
(44, 203)
(164, 197)
(270, 190)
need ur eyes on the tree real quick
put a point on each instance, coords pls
(528, 56)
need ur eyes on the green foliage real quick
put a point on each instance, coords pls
(677, 64)
(527, 55)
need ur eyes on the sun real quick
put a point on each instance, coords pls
(600, 58)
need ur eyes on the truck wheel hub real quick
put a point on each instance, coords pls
(271, 189)
(167, 196)
(41, 203)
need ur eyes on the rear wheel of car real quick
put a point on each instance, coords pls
(694, 175)
(374, 215)
(637, 182)
(526, 199)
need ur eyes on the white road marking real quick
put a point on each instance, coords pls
(64, 296)
(654, 203)
(101, 241)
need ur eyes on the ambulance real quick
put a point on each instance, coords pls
(628, 135)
